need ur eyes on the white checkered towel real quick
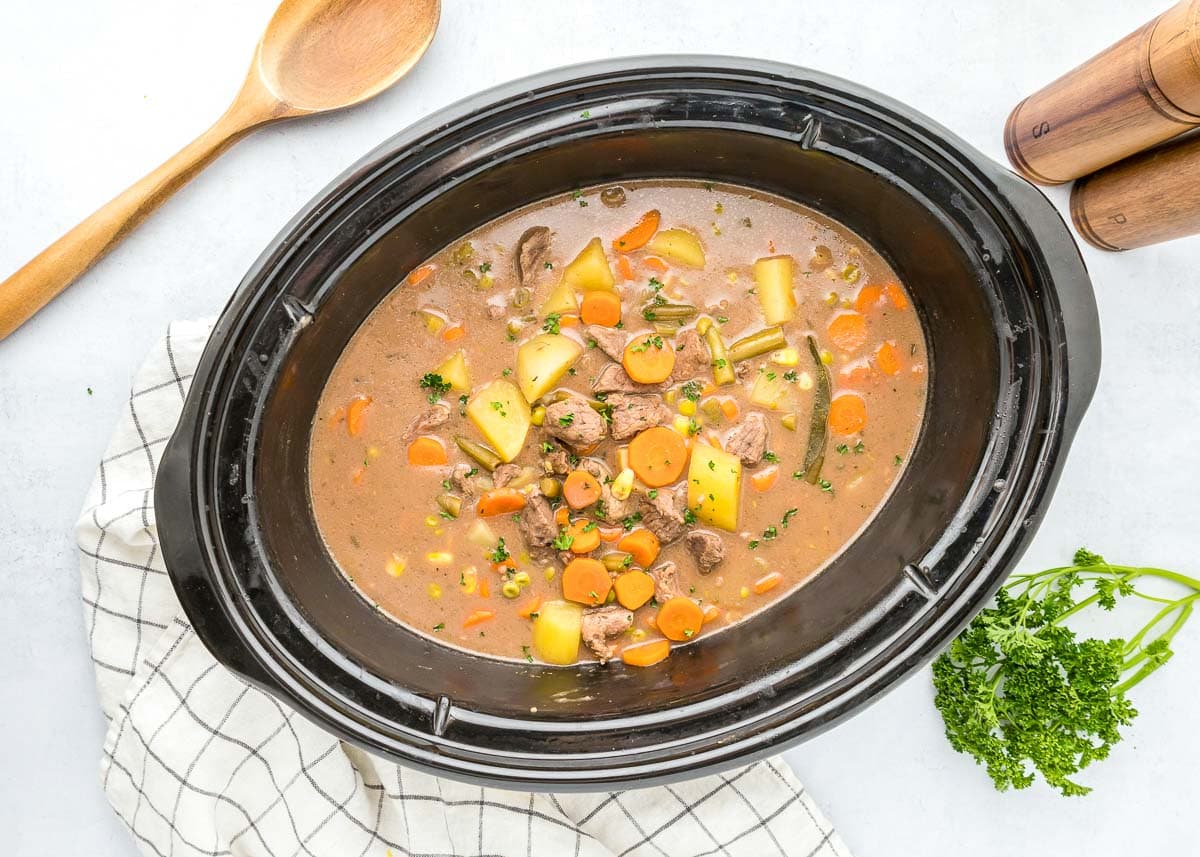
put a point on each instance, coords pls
(196, 762)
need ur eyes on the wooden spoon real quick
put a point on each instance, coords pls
(315, 56)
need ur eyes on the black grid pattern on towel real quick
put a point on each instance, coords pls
(196, 762)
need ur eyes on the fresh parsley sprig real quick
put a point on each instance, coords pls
(1019, 692)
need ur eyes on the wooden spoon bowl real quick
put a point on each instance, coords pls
(315, 56)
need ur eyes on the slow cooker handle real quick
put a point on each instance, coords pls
(184, 553)
(1052, 241)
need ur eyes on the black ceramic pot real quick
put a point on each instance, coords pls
(1014, 342)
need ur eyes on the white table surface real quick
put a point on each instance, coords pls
(94, 92)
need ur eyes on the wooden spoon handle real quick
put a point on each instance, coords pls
(60, 264)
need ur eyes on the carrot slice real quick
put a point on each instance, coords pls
(585, 535)
(357, 476)
(762, 480)
(658, 456)
(568, 321)
(426, 451)
(847, 414)
(634, 588)
(644, 546)
(655, 264)
(855, 376)
(484, 591)
(611, 534)
(420, 274)
(640, 234)
(646, 654)
(625, 268)
(887, 357)
(586, 581)
(896, 296)
(729, 407)
(680, 619)
(767, 582)
(580, 489)
(649, 359)
(867, 297)
(478, 617)
(711, 613)
(454, 333)
(530, 607)
(500, 501)
(355, 414)
(602, 308)
(562, 516)
(848, 331)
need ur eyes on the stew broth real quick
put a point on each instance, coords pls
(486, 469)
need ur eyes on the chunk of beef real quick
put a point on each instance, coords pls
(575, 423)
(612, 510)
(427, 421)
(533, 247)
(596, 468)
(707, 548)
(748, 440)
(632, 414)
(608, 339)
(666, 582)
(613, 379)
(664, 514)
(536, 522)
(692, 359)
(466, 480)
(556, 462)
(504, 474)
(601, 624)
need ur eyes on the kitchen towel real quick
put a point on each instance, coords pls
(197, 762)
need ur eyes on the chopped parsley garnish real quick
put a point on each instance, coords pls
(436, 385)
(485, 267)
(656, 284)
(791, 375)
(722, 319)
(842, 449)
(860, 448)
(788, 515)
(507, 371)
(752, 544)
(712, 465)
(746, 222)
(587, 114)
(563, 540)
(898, 460)
(688, 632)
(629, 521)
(566, 419)
(500, 554)
(656, 341)
(498, 407)
(691, 390)
(689, 517)
(770, 456)
(600, 397)
(549, 266)
(770, 533)
(591, 343)
(447, 485)
(652, 493)
(589, 526)
(693, 428)
(547, 447)
(472, 472)
(628, 560)
(525, 650)
(720, 362)
(825, 485)
(551, 325)
(439, 626)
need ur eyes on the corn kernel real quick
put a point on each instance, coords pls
(439, 532)
(521, 578)
(432, 521)
(786, 357)
(433, 323)
(510, 589)
(831, 299)
(826, 357)
(467, 580)
(745, 592)
(732, 277)
(851, 273)
(622, 486)
(396, 565)
(788, 422)
(671, 397)
(373, 452)
(549, 573)
(485, 281)
(538, 415)
(440, 558)
(434, 590)
(638, 634)
(687, 407)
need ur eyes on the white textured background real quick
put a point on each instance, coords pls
(94, 92)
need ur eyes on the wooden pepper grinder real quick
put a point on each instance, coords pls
(1141, 91)
(1145, 199)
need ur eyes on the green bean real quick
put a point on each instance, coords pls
(722, 365)
(757, 344)
(617, 561)
(480, 454)
(668, 312)
(450, 504)
(664, 329)
(818, 428)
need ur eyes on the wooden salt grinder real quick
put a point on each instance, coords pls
(1135, 94)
